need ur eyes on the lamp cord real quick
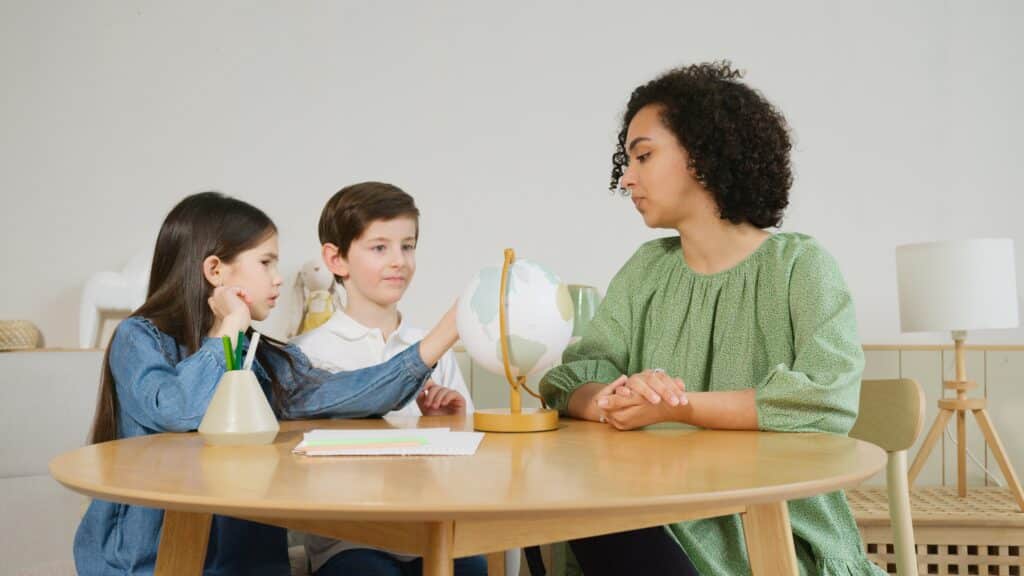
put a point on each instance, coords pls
(971, 456)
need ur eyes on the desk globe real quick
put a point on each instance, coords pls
(515, 320)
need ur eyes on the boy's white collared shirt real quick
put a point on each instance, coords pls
(342, 343)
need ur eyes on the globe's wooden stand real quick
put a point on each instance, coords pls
(513, 418)
(504, 420)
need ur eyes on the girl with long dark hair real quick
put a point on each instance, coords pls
(214, 272)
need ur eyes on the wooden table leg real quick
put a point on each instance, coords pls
(769, 540)
(183, 541)
(437, 561)
(496, 564)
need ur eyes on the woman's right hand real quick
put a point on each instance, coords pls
(230, 307)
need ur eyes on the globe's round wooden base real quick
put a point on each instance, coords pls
(503, 420)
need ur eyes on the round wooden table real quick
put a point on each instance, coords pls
(518, 490)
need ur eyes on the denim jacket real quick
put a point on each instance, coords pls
(162, 389)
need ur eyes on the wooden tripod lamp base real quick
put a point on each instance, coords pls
(513, 418)
(959, 406)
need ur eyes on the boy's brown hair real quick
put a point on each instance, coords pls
(353, 208)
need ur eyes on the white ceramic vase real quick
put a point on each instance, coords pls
(238, 412)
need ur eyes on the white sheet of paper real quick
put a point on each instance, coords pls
(392, 442)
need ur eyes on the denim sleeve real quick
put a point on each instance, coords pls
(162, 396)
(372, 391)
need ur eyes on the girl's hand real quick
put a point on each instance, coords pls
(230, 306)
(436, 400)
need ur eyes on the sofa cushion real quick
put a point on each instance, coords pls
(47, 400)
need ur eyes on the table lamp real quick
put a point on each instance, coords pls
(959, 286)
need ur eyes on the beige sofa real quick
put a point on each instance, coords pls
(46, 405)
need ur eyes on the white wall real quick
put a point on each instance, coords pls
(498, 117)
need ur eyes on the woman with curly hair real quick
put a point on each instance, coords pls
(759, 326)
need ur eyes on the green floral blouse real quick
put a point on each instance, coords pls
(781, 322)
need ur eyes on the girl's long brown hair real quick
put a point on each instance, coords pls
(201, 225)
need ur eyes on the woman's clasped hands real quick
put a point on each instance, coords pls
(640, 400)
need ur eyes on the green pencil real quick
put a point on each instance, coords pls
(238, 351)
(228, 360)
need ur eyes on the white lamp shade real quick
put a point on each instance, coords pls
(958, 285)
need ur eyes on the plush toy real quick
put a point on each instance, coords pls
(316, 296)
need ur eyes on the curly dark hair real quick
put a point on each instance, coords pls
(737, 141)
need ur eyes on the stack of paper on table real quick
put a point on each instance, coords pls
(393, 442)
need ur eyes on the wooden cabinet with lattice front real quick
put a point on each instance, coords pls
(982, 534)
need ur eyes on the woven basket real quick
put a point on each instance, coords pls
(19, 335)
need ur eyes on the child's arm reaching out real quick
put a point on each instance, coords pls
(377, 389)
(440, 338)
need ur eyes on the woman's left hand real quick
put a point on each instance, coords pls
(656, 386)
(638, 414)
